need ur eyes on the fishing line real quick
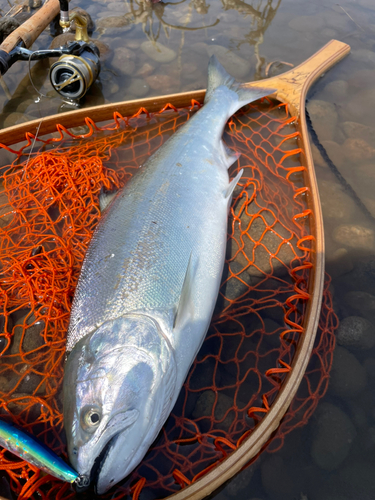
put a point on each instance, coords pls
(344, 183)
(62, 99)
(34, 140)
(38, 101)
(30, 77)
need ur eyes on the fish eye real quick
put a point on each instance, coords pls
(90, 418)
(94, 417)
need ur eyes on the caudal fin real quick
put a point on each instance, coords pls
(217, 76)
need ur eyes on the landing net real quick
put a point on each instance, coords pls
(48, 209)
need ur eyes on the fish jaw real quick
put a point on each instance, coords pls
(124, 453)
(90, 457)
(114, 396)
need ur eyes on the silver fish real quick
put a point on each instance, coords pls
(147, 290)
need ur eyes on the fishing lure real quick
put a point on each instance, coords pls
(33, 451)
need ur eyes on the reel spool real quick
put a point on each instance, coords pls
(78, 65)
(72, 75)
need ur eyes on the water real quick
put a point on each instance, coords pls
(332, 457)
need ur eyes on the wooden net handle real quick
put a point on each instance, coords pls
(293, 85)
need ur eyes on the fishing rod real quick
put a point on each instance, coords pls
(79, 61)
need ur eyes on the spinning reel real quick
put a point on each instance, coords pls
(77, 67)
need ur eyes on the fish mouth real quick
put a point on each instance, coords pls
(101, 458)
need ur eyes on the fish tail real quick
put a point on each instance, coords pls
(217, 76)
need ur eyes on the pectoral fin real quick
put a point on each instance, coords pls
(185, 308)
(105, 198)
(229, 192)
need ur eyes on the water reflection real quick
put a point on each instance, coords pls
(144, 12)
(223, 28)
(200, 6)
(261, 18)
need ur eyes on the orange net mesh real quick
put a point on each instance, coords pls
(48, 210)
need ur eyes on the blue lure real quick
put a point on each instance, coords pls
(33, 451)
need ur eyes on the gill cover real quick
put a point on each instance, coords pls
(115, 379)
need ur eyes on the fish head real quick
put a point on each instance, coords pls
(110, 394)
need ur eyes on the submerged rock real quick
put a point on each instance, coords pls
(360, 303)
(358, 150)
(360, 107)
(32, 383)
(104, 49)
(356, 130)
(336, 203)
(348, 377)
(207, 405)
(236, 285)
(15, 119)
(279, 479)
(114, 88)
(84, 14)
(364, 55)
(6, 327)
(158, 52)
(199, 47)
(334, 151)
(339, 263)
(28, 334)
(333, 434)
(145, 70)
(357, 480)
(138, 87)
(7, 26)
(240, 483)
(234, 64)
(60, 40)
(336, 90)
(6, 214)
(324, 119)
(124, 60)
(356, 333)
(369, 365)
(4, 384)
(160, 82)
(355, 236)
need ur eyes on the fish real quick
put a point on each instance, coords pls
(147, 290)
(25, 446)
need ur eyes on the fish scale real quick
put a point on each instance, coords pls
(147, 290)
(136, 276)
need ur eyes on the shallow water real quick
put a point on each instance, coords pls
(332, 457)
